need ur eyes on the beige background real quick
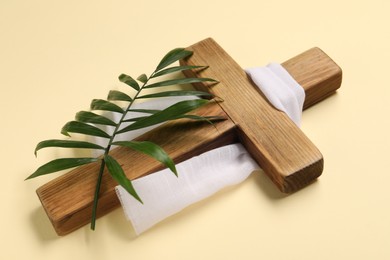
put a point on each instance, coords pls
(55, 56)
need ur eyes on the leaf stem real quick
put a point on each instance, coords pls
(107, 150)
(97, 191)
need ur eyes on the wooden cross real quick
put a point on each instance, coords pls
(285, 154)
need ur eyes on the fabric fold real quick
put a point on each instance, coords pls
(164, 194)
(281, 90)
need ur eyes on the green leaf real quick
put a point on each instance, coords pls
(143, 78)
(118, 95)
(60, 164)
(173, 56)
(100, 104)
(208, 119)
(170, 113)
(133, 119)
(118, 174)
(152, 150)
(176, 69)
(129, 81)
(66, 144)
(146, 111)
(89, 117)
(82, 128)
(178, 82)
(177, 93)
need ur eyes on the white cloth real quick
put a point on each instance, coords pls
(164, 194)
(281, 90)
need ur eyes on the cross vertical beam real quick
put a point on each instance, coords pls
(284, 152)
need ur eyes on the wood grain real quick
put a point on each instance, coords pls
(68, 199)
(317, 73)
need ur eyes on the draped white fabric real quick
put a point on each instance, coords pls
(281, 90)
(164, 194)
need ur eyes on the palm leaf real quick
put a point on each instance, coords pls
(66, 144)
(173, 56)
(129, 81)
(209, 119)
(152, 150)
(89, 117)
(177, 93)
(119, 96)
(133, 119)
(84, 119)
(171, 82)
(143, 78)
(118, 175)
(101, 104)
(146, 111)
(60, 164)
(172, 112)
(176, 69)
(83, 128)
